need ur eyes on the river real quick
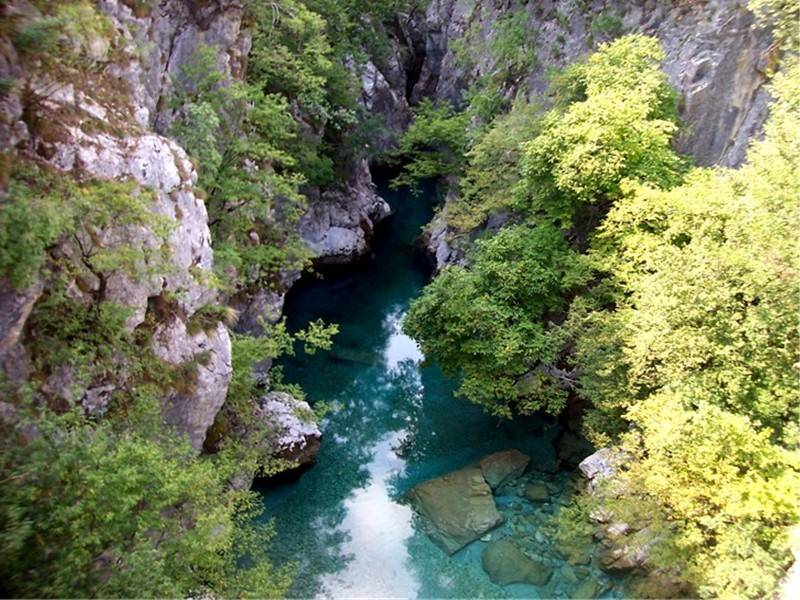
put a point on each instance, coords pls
(392, 423)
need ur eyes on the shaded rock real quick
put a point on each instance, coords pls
(505, 563)
(536, 491)
(502, 467)
(15, 307)
(568, 574)
(572, 448)
(338, 224)
(459, 508)
(436, 237)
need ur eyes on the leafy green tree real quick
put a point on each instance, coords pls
(491, 177)
(433, 145)
(89, 509)
(617, 126)
(493, 323)
(689, 354)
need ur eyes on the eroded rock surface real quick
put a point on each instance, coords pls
(296, 436)
(192, 408)
(505, 563)
(338, 224)
(458, 508)
(501, 467)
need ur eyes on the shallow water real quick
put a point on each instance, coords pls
(392, 424)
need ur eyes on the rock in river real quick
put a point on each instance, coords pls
(536, 491)
(505, 563)
(502, 467)
(459, 508)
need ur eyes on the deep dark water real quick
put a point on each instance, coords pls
(392, 425)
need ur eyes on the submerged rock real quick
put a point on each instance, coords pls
(505, 563)
(535, 491)
(586, 590)
(502, 467)
(459, 508)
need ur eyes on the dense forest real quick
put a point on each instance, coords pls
(652, 301)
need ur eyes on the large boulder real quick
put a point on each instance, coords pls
(502, 467)
(458, 508)
(338, 224)
(192, 408)
(294, 433)
(505, 563)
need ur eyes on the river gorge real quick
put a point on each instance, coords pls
(393, 423)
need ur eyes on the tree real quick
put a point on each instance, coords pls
(492, 323)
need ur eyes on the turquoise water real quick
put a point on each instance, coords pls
(393, 423)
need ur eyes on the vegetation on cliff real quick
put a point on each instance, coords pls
(671, 307)
(99, 496)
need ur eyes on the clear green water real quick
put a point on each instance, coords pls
(393, 424)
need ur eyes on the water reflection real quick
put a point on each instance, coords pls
(399, 347)
(394, 424)
(377, 529)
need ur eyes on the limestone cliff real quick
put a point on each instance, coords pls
(716, 58)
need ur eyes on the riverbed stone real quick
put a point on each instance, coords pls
(504, 466)
(586, 590)
(505, 563)
(536, 491)
(458, 508)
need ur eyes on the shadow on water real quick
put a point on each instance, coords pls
(392, 425)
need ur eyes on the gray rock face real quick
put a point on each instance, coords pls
(381, 97)
(296, 437)
(15, 307)
(440, 245)
(505, 563)
(716, 58)
(599, 466)
(572, 448)
(192, 409)
(458, 508)
(501, 467)
(100, 128)
(165, 38)
(338, 224)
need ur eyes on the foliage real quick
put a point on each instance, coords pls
(433, 145)
(241, 136)
(730, 490)
(607, 23)
(492, 323)
(89, 510)
(72, 34)
(43, 208)
(492, 171)
(678, 326)
(784, 17)
(689, 357)
(621, 130)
